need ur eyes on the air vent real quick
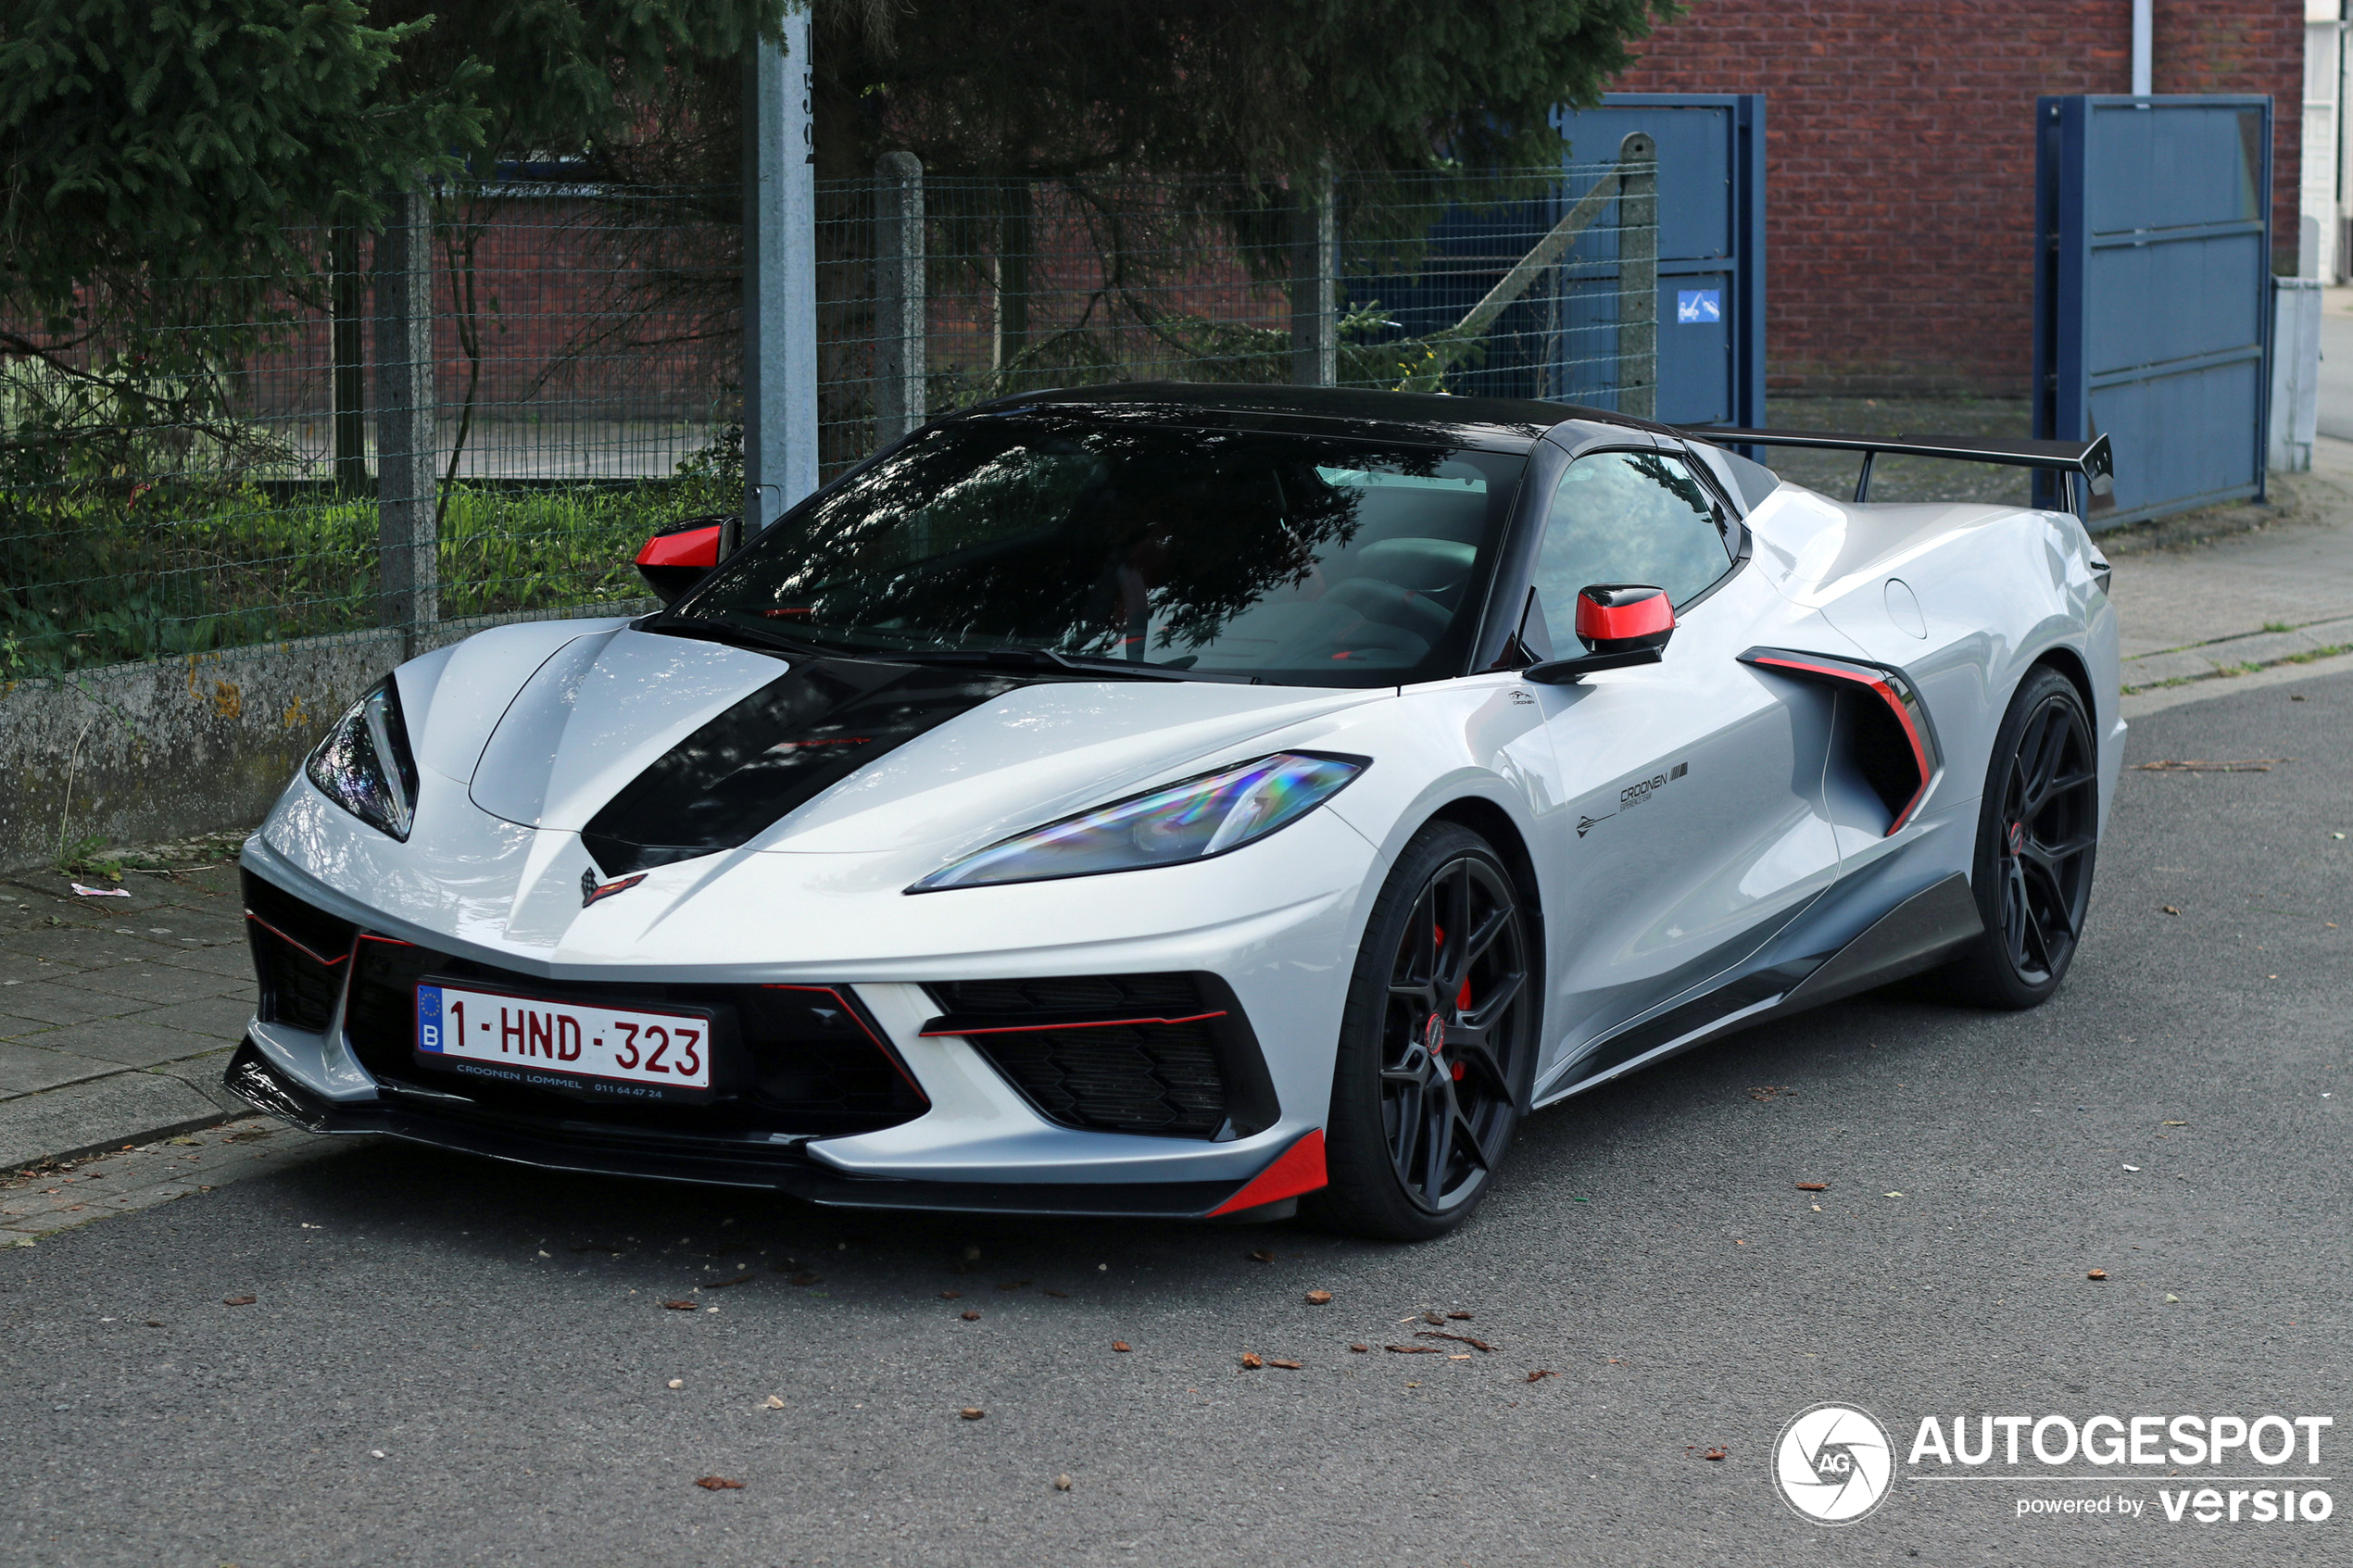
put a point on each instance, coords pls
(1164, 1055)
(299, 955)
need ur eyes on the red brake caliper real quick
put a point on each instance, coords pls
(1462, 1004)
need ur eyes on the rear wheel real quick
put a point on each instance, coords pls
(1436, 1044)
(2036, 835)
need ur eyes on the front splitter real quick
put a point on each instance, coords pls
(771, 1167)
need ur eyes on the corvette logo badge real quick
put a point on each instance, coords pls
(591, 889)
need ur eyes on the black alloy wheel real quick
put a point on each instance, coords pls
(2037, 836)
(1437, 1043)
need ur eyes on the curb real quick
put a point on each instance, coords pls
(101, 1114)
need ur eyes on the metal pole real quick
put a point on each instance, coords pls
(406, 453)
(900, 317)
(2144, 26)
(780, 280)
(1314, 273)
(348, 303)
(1638, 277)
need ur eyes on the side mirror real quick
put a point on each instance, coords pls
(1620, 624)
(680, 556)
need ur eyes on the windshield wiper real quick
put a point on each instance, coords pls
(1046, 658)
(737, 635)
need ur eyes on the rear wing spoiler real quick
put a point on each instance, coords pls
(2089, 465)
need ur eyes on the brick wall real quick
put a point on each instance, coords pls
(1900, 159)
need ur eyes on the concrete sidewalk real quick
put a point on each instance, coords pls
(117, 1014)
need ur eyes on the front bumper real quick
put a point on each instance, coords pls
(776, 1166)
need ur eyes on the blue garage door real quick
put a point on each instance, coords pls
(1711, 244)
(2152, 286)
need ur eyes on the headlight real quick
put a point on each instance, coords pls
(1189, 821)
(364, 766)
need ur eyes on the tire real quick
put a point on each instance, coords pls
(2036, 840)
(1416, 1134)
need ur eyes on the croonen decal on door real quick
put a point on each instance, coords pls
(1636, 793)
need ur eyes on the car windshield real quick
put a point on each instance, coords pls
(1288, 559)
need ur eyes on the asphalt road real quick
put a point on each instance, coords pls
(498, 1338)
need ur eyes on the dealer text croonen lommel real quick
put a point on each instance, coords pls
(2186, 1470)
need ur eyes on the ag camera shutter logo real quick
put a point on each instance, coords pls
(1834, 1463)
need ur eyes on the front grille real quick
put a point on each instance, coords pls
(790, 1060)
(299, 955)
(1121, 1053)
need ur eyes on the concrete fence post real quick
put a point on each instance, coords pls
(1314, 280)
(1638, 277)
(902, 319)
(2296, 372)
(408, 457)
(780, 279)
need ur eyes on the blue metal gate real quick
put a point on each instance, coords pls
(1711, 244)
(1562, 342)
(2152, 293)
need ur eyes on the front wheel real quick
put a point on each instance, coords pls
(2037, 832)
(1436, 1044)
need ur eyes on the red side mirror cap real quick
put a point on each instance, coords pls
(677, 558)
(1623, 617)
(697, 547)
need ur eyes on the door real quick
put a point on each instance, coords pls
(1695, 784)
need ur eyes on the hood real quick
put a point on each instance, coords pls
(659, 749)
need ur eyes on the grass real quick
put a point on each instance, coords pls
(93, 577)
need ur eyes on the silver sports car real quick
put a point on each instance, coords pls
(1182, 800)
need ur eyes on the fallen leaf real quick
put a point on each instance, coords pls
(1015, 1285)
(2169, 909)
(1319, 1298)
(2170, 1297)
(1714, 1454)
(1361, 1350)
(152, 1322)
(1541, 1373)
(774, 1403)
(2095, 1273)
(236, 1300)
(1062, 1483)
(1457, 1338)
(1251, 1360)
(680, 1306)
(718, 1483)
(1058, 1295)
(970, 1316)
(1413, 1349)
(1438, 1318)
(732, 1279)
(676, 1382)
(1121, 1345)
(1813, 1187)
(1460, 1317)
(950, 1294)
(1287, 1366)
(972, 1413)
(1262, 1256)
(2242, 765)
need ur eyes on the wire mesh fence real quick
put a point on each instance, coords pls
(173, 482)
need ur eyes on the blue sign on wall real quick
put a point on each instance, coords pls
(1696, 306)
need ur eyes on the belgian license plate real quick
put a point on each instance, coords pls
(628, 1053)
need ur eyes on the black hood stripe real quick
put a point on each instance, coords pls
(776, 750)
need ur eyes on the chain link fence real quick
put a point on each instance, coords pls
(355, 457)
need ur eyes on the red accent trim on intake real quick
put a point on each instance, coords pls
(302, 948)
(693, 546)
(1873, 680)
(1609, 623)
(1089, 1023)
(858, 1018)
(1298, 1169)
